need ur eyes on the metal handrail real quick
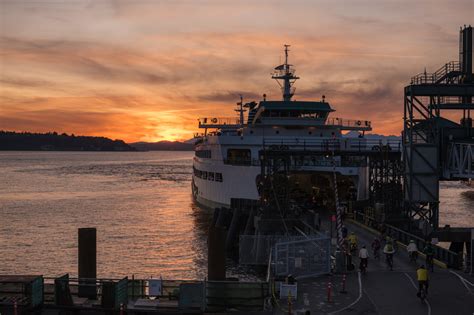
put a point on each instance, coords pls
(451, 258)
(438, 75)
(343, 144)
(230, 121)
(333, 121)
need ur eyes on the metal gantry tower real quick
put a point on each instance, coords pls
(430, 139)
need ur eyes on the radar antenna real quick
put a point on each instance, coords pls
(285, 73)
(241, 110)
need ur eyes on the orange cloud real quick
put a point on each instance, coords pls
(147, 71)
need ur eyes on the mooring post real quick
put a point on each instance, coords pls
(216, 254)
(87, 262)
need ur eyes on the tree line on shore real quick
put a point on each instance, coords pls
(53, 141)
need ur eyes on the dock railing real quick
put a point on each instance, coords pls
(450, 258)
(184, 295)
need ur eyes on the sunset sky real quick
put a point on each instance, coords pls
(146, 70)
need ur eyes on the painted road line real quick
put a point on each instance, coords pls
(357, 300)
(416, 288)
(463, 280)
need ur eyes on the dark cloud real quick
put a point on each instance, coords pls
(228, 97)
(24, 82)
(89, 59)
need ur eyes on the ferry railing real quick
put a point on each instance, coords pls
(344, 144)
(219, 121)
(342, 122)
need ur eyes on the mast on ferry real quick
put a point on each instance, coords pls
(241, 110)
(285, 73)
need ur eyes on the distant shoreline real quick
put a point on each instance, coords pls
(52, 141)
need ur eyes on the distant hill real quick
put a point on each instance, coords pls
(52, 141)
(374, 136)
(163, 146)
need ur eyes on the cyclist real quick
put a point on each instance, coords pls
(364, 257)
(388, 250)
(429, 252)
(423, 281)
(344, 231)
(376, 248)
(352, 241)
(412, 250)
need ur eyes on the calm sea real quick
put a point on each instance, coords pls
(140, 203)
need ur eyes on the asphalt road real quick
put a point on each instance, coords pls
(381, 291)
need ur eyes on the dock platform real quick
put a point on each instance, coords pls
(381, 291)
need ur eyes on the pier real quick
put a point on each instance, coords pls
(298, 245)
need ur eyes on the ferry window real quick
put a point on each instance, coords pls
(210, 176)
(203, 154)
(239, 156)
(204, 175)
(218, 177)
(197, 173)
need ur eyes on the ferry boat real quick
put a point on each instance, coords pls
(226, 164)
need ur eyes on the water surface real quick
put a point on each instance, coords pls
(140, 203)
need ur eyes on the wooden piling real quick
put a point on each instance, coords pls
(87, 262)
(216, 254)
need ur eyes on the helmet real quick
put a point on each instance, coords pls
(352, 233)
(412, 241)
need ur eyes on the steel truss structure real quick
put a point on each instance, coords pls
(430, 151)
(385, 183)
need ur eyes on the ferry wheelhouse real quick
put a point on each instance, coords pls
(226, 164)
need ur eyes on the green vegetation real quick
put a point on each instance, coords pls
(52, 141)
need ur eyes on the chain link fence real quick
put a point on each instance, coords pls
(300, 256)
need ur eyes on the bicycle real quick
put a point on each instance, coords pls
(429, 263)
(376, 253)
(413, 256)
(422, 294)
(353, 248)
(363, 265)
(389, 261)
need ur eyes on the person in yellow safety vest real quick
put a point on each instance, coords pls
(423, 280)
(352, 238)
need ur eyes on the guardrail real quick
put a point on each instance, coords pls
(180, 295)
(438, 76)
(221, 121)
(235, 121)
(342, 122)
(343, 144)
(451, 258)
